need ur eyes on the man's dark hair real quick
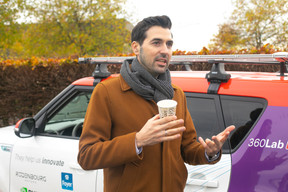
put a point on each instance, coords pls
(139, 31)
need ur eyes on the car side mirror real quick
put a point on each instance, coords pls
(25, 128)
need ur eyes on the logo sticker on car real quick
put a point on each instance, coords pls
(24, 189)
(67, 181)
(6, 148)
(266, 143)
(31, 177)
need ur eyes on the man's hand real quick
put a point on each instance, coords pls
(157, 130)
(213, 146)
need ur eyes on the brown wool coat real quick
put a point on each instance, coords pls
(114, 115)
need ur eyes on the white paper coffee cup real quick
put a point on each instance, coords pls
(167, 107)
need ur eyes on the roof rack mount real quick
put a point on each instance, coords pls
(216, 76)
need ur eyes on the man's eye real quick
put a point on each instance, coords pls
(156, 43)
(170, 44)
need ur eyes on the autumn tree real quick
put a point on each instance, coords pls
(254, 23)
(228, 37)
(9, 28)
(66, 27)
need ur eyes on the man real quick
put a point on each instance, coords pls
(123, 132)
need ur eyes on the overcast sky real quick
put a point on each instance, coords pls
(194, 22)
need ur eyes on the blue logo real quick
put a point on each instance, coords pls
(67, 181)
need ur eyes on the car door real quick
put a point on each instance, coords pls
(248, 116)
(211, 114)
(205, 111)
(48, 160)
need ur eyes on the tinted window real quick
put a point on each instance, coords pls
(210, 118)
(242, 112)
(205, 112)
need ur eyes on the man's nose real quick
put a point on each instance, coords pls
(164, 49)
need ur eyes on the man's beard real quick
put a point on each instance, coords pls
(143, 61)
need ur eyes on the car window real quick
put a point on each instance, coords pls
(242, 112)
(211, 114)
(68, 120)
(205, 112)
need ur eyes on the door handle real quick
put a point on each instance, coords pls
(203, 182)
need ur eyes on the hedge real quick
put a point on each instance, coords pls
(28, 85)
(25, 90)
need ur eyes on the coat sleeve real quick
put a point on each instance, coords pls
(97, 149)
(192, 151)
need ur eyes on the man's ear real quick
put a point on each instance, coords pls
(135, 47)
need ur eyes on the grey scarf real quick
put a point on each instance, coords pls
(144, 84)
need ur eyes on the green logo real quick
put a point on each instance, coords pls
(23, 189)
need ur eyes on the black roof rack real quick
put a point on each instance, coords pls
(216, 76)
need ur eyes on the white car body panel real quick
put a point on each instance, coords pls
(7, 138)
(49, 164)
(209, 178)
(40, 163)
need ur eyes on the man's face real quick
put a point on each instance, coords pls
(156, 51)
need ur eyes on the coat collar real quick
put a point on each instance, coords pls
(124, 85)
